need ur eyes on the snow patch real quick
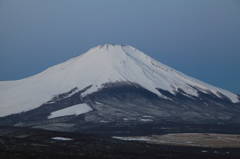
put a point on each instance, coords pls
(146, 120)
(73, 110)
(104, 121)
(146, 116)
(61, 138)
(97, 103)
(131, 138)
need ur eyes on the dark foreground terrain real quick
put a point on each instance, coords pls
(24, 143)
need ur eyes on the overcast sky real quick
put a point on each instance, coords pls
(200, 38)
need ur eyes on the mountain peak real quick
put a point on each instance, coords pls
(110, 45)
(113, 49)
(100, 65)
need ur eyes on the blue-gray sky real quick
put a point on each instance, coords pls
(198, 38)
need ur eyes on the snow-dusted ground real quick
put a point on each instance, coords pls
(73, 110)
(61, 138)
(104, 121)
(146, 120)
(147, 116)
(101, 64)
(131, 139)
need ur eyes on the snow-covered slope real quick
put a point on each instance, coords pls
(101, 64)
(73, 110)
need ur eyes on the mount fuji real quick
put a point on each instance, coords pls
(113, 87)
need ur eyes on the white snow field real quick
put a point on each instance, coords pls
(101, 64)
(73, 110)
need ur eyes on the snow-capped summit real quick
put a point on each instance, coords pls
(100, 65)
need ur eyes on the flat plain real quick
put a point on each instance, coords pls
(191, 139)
